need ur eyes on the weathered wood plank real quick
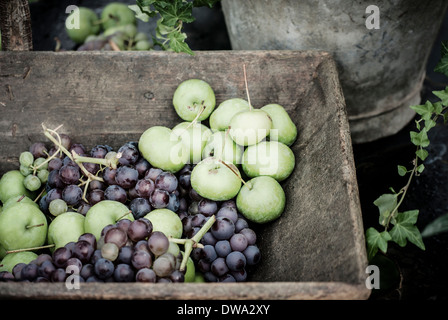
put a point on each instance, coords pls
(110, 98)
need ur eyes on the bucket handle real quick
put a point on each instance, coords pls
(15, 25)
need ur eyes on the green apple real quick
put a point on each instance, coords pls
(163, 149)
(215, 180)
(11, 184)
(103, 213)
(220, 118)
(166, 221)
(117, 14)
(192, 97)
(261, 199)
(11, 259)
(2, 252)
(250, 127)
(22, 225)
(194, 135)
(65, 228)
(268, 158)
(220, 145)
(283, 128)
(20, 198)
(88, 24)
(143, 45)
(128, 30)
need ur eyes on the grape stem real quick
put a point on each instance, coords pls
(30, 249)
(189, 244)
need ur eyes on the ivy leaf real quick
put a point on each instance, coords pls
(425, 110)
(404, 229)
(420, 138)
(177, 42)
(442, 66)
(386, 203)
(175, 11)
(402, 170)
(142, 13)
(422, 154)
(376, 240)
(442, 95)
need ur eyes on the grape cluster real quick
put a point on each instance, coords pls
(127, 251)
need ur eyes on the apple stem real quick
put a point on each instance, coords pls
(197, 116)
(247, 88)
(236, 173)
(35, 225)
(119, 218)
(30, 249)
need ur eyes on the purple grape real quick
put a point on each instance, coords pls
(207, 207)
(158, 243)
(153, 173)
(124, 273)
(203, 265)
(145, 275)
(250, 235)
(139, 229)
(17, 271)
(173, 203)
(58, 275)
(209, 253)
(54, 180)
(99, 151)
(78, 148)
(252, 254)
(177, 276)
(123, 224)
(144, 188)
(87, 271)
(54, 164)
(159, 198)
(39, 150)
(69, 174)
(141, 259)
(140, 207)
(109, 176)
(238, 242)
(208, 238)
(117, 236)
(166, 181)
(115, 193)
(129, 154)
(185, 180)
(93, 168)
(142, 166)
(125, 255)
(141, 245)
(83, 208)
(83, 250)
(72, 195)
(228, 212)
(241, 224)
(95, 196)
(75, 262)
(60, 257)
(240, 276)
(223, 228)
(29, 272)
(223, 248)
(219, 267)
(54, 194)
(104, 268)
(96, 184)
(197, 220)
(236, 261)
(126, 177)
(227, 278)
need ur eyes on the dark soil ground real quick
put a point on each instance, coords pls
(407, 273)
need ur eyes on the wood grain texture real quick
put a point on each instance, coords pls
(15, 25)
(316, 250)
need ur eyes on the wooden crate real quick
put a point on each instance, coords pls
(315, 250)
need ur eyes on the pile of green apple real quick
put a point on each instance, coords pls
(238, 138)
(114, 29)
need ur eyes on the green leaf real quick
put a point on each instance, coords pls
(376, 240)
(437, 226)
(177, 43)
(429, 124)
(442, 66)
(421, 168)
(422, 154)
(402, 232)
(404, 229)
(425, 110)
(386, 203)
(420, 138)
(142, 13)
(442, 95)
(173, 12)
(402, 170)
